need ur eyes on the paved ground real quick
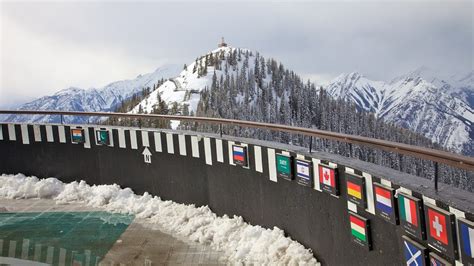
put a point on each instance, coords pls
(137, 245)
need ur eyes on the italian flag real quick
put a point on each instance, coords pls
(408, 210)
(358, 228)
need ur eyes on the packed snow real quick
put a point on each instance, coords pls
(240, 241)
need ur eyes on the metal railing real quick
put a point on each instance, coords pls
(437, 156)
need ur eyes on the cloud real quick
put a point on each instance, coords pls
(49, 46)
(35, 64)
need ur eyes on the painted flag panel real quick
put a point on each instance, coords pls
(436, 260)
(385, 205)
(354, 190)
(437, 225)
(239, 155)
(383, 200)
(414, 253)
(466, 237)
(360, 230)
(304, 173)
(327, 176)
(408, 210)
(302, 168)
(441, 231)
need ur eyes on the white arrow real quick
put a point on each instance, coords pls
(146, 155)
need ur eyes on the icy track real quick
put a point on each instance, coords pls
(240, 241)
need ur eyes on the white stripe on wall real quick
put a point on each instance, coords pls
(351, 206)
(11, 132)
(316, 163)
(404, 190)
(1, 132)
(87, 142)
(208, 151)
(133, 139)
(182, 144)
(429, 200)
(62, 134)
(49, 133)
(12, 249)
(49, 255)
(145, 140)
(24, 134)
(37, 133)
(370, 192)
(157, 136)
(195, 146)
(169, 143)
(87, 254)
(272, 165)
(121, 138)
(62, 257)
(349, 170)
(219, 151)
(25, 248)
(385, 182)
(231, 157)
(37, 255)
(258, 159)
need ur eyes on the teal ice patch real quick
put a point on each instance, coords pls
(80, 238)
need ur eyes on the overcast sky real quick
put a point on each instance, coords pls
(49, 46)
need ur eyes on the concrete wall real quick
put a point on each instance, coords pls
(197, 169)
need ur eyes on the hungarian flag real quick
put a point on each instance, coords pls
(358, 228)
(327, 176)
(408, 211)
(437, 225)
(354, 190)
(383, 199)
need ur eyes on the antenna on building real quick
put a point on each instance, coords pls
(222, 44)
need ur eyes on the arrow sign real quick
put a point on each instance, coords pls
(146, 155)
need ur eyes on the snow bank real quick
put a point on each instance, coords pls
(241, 242)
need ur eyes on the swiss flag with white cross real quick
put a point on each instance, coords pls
(437, 224)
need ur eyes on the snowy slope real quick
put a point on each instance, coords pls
(420, 101)
(185, 88)
(91, 100)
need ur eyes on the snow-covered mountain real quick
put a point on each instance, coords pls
(422, 101)
(439, 107)
(92, 100)
(185, 88)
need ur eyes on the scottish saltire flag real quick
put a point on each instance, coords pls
(354, 190)
(302, 169)
(408, 211)
(383, 200)
(413, 254)
(466, 235)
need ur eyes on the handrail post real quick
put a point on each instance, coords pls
(436, 175)
(310, 143)
(62, 119)
(220, 130)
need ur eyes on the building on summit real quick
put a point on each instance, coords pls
(222, 44)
